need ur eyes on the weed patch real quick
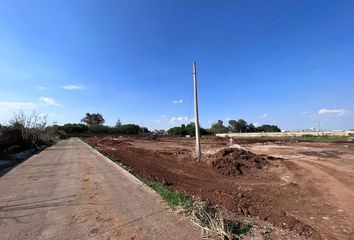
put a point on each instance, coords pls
(210, 219)
(175, 200)
(324, 138)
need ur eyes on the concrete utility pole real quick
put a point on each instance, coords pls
(196, 115)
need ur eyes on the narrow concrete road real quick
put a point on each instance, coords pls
(70, 191)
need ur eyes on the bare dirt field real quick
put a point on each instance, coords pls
(304, 189)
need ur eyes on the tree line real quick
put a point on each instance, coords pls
(241, 126)
(93, 123)
(234, 126)
(188, 129)
(33, 130)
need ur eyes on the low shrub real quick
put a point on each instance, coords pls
(97, 128)
(188, 129)
(27, 131)
(73, 128)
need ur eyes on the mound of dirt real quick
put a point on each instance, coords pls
(235, 161)
(114, 141)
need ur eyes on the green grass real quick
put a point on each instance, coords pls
(322, 138)
(208, 217)
(173, 199)
(240, 228)
(113, 158)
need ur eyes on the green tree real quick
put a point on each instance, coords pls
(268, 128)
(177, 131)
(242, 125)
(118, 123)
(93, 119)
(251, 128)
(188, 129)
(218, 127)
(238, 126)
(232, 125)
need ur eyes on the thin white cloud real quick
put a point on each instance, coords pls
(41, 88)
(177, 101)
(178, 120)
(16, 105)
(263, 116)
(336, 112)
(256, 124)
(73, 87)
(49, 101)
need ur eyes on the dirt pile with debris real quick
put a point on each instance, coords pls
(234, 161)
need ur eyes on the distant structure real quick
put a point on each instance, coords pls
(144, 130)
(292, 133)
(160, 132)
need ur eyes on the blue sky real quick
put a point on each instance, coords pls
(287, 62)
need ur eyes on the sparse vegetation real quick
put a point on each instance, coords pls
(176, 200)
(329, 138)
(27, 131)
(210, 219)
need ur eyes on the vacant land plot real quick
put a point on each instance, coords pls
(304, 189)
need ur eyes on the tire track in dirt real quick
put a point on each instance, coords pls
(324, 171)
(339, 199)
(343, 174)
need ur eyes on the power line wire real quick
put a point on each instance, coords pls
(268, 26)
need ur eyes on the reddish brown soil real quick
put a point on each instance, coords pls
(234, 161)
(270, 188)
